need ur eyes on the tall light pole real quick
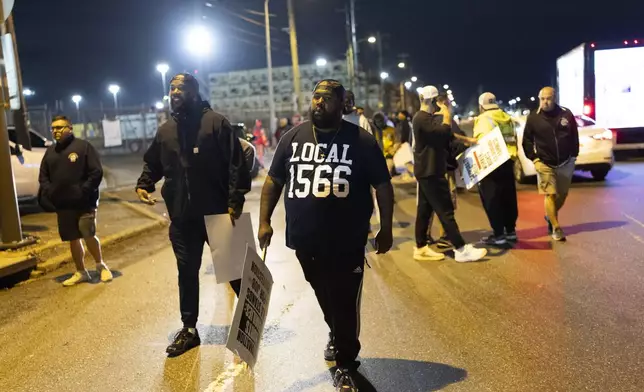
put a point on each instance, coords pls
(354, 40)
(114, 89)
(294, 56)
(77, 99)
(269, 62)
(163, 68)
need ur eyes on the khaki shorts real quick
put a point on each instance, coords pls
(554, 180)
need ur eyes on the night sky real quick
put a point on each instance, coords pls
(506, 46)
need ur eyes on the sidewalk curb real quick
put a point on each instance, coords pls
(56, 262)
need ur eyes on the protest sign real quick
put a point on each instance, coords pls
(228, 244)
(483, 158)
(252, 308)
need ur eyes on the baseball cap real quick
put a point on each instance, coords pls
(488, 101)
(428, 92)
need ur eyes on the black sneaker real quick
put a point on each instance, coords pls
(444, 243)
(550, 228)
(330, 351)
(184, 340)
(511, 236)
(343, 381)
(494, 240)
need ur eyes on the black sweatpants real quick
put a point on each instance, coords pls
(499, 197)
(337, 282)
(434, 196)
(188, 239)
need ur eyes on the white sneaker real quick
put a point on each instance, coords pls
(106, 274)
(469, 253)
(427, 254)
(78, 277)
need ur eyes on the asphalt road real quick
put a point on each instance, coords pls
(541, 317)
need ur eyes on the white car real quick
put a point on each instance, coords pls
(26, 165)
(595, 150)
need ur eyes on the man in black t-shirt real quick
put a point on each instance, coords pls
(327, 167)
(433, 133)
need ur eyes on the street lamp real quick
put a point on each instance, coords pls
(159, 105)
(384, 75)
(199, 41)
(408, 85)
(321, 62)
(372, 40)
(163, 68)
(518, 99)
(401, 65)
(446, 86)
(27, 92)
(449, 92)
(77, 99)
(114, 89)
(533, 99)
(414, 79)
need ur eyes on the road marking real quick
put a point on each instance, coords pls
(636, 237)
(633, 219)
(225, 379)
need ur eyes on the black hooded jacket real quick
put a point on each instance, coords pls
(202, 162)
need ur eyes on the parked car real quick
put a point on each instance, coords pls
(595, 150)
(26, 168)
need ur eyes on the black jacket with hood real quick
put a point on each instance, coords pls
(70, 174)
(201, 159)
(552, 137)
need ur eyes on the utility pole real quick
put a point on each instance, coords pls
(294, 56)
(354, 41)
(20, 115)
(380, 69)
(269, 61)
(11, 229)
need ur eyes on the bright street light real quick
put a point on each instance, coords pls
(533, 99)
(77, 99)
(401, 65)
(371, 40)
(449, 92)
(159, 105)
(419, 90)
(384, 75)
(445, 86)
(407, 85)
(518, 99)
(414, 79)
(199, 41)
(27, 92)
(114, 89)
(163, 68)
(320, 62)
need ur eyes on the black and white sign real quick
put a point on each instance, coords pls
(252, 308)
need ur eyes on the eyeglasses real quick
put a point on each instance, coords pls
(59, 128)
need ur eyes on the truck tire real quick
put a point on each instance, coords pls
(599, 174)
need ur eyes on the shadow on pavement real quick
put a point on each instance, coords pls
(94, 275)
(540, 232)
(217, 335)
(386, 374)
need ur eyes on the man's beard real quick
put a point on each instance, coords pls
(323, 119)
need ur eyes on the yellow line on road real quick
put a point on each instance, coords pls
(633, 219)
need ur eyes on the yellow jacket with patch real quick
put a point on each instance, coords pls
(490, 119)
(389, 144)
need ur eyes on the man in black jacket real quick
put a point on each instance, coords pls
(551, 141)
(205, 173)
(70, 174)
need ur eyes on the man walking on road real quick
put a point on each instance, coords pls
(205, 172)
(70, 174)
(551, 141)
(432, 127)
(498, 189)
(328, 167)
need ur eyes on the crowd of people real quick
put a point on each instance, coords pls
(333, 170)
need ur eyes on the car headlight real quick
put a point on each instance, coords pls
(606, 135)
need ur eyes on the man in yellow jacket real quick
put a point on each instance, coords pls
(498, 189)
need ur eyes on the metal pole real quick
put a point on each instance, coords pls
(164, 87)
(354, 40)
(269, 61)
(9, 217)
(116, 104)
(294, 56)
(382, 81)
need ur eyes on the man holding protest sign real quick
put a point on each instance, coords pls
(205, 172)
(328, 167)
(498, 189)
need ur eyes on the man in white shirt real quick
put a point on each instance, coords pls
(351, 114)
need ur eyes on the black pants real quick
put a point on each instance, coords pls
(434, 196)
(499, 197)
(188, 239)
(337, 282)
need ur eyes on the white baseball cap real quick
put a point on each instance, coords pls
(488, 101)
(428, 92)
